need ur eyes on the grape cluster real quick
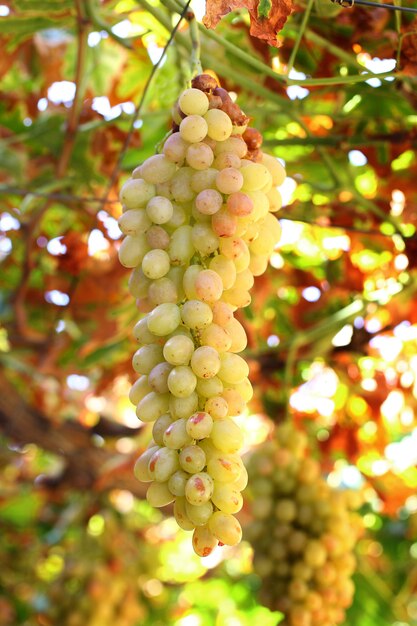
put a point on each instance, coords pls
(303, 533)
(199, 226)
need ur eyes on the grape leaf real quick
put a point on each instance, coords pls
(267, 17)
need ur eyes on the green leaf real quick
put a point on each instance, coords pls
(21, 510)
(264, 8)
(107, 354)
(20, 28)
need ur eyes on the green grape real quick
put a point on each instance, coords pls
(225, 528)
(198, 225)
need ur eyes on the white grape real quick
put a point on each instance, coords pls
(219, 125)
(193, 128)
(159, 210)
(157, 169)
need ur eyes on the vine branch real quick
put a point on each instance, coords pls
(140, 104)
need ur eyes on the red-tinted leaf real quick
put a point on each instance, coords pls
(262, 27)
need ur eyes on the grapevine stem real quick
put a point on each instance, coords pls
(349, 59)
(300, 34)
(141, 102)
(195, 44)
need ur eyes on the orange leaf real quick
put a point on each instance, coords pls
(265, 23)
(409, 50)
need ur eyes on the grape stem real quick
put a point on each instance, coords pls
(300, 34)
(141, 102)
(195, 44)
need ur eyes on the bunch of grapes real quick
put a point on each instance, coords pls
(303, 533)
(199, 225)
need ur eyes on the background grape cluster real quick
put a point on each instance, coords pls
(303, 533)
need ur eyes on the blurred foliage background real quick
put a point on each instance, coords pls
(332, 325)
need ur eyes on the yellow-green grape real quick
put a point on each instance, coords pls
(134, 222)
(275, 168)
(236, 403)
(199, 425)
(159, 495)
(200, 514)
(163, 464)
(180, 514)
(203, 179)
(182, 381)
(181, 247)
(216, 337)
(152, 406)
(133, 250)
(162, 291)
(224, 468)
(208, 286)
(205, 362)
(183, 407)
(193, 128)
(145, 359)
(192, 459)
(193, 102)
(225, 268)
(199, 156)
(177, 482)
(138, 283)
(227, 498)
(226, 435)
(225, 528)
(198, 225)
(175, 148)
(204, 541)
(136, 193)
(159, 210)
(196, 314)
(176, 436)
(164, 319)
(233, 368)
(178, 350)
(188, 281)
(155, 264)
(209, 387)
(237, 334)
(157, 169)
(233, 144)
(199, 488)
(139, 390)
(141, 469)
(219, 125)
(244, 389)
(217, 406)
(204, 240)
(159, 428)
(241, 482)
(208, 202)
(255, 176)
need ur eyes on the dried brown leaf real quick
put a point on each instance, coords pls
(262, 27)
(409, 50)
